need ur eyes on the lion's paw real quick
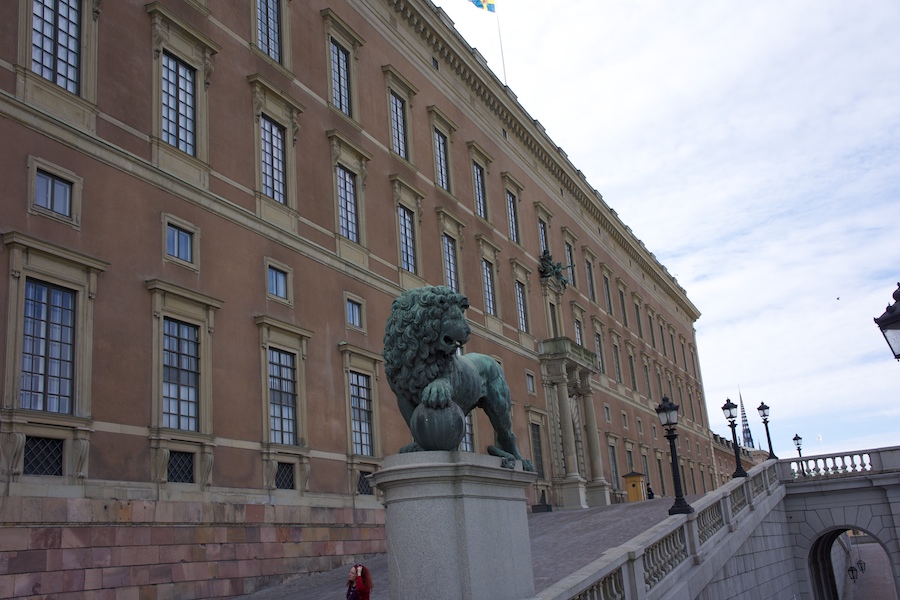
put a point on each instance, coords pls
(437, 394)
(414, 447)
(527, 466)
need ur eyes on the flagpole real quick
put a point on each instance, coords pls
(500, 37)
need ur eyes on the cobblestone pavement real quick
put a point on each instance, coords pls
(561, 543)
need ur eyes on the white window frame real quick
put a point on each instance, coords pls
(338, 31)
(399, 86)
(170, 220)
(441, 123)
(272, 264)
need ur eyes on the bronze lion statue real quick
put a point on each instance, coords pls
(426, 327)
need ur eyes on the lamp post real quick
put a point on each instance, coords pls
(764, 413)
(668, 416)
(730, 410)
(797, 442)
(889, 324)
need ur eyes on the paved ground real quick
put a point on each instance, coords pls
(877, 583)
(561, 543)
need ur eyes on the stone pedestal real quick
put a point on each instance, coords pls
(457, 527)
(572, 492)
(597, 493)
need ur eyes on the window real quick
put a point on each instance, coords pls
(607, 413)
(407, 238)
(180, 467)
(653, 428)
(181, 375)
(640, 426)
(43, 456)
(598, 344)
(614, 467)
(343, 46)
(650, 327)
(542, 235)
(537, 451)
(662, 480)
(570, 263)
(530, 385)
(467, 443)
(53, 193)
(282, 358)
(48, 352)
(647, 381)
(268, 28)
(616, 363)
(272, 153)
(340, 77)
(634, 385)
(622, 304)
(56, 42)
(451, 273)
(183, 69)
(276, 117)
(672, 346)
(521, 306)
(513, 196)
(442, 129)
(356, 312)
(480, 190)
(646, 467)
(179, 243)
(178, 104)
(589, 271)
(684, 354)
(398, 125)
(282, 397)
(400, 97)
(347, 207)
(579, 333)
(349, 162)
(637, 319)
(629, 460)
(512, 213)
(490, 303)
(442, 160)
(278, 283)
(624, 420)
(662, 339)
(606, 293)
(361, 413)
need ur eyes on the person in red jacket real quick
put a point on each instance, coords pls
(359, 583)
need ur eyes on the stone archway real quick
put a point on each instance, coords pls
(825, 584)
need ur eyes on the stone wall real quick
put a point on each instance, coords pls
(101, 548)
(762, 568)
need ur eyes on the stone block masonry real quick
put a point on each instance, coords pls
(75, 548)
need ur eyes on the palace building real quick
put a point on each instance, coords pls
(208, 209)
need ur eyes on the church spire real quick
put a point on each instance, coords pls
(748, 437)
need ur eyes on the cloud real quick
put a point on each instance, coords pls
(755, 149)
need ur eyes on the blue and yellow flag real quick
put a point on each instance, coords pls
(487, 5)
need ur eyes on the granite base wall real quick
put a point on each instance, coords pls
(762, 568)
(74, 548)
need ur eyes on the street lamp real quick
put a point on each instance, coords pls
(668, 416)
(889, 324)
(797, 441)
(764, 413)
(730, 410)
(853, 575)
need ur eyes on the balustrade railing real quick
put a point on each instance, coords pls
(648, 566)
(839, 464)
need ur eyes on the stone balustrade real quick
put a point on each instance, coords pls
(652, 564)
(841, 464)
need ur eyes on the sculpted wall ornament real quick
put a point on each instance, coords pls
(435, 386)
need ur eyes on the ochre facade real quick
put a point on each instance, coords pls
(208, 208)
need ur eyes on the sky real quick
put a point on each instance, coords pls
(754, 147)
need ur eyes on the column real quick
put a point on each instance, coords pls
(598, 489)
(572, 489)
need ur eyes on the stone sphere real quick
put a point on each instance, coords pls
(438, 428)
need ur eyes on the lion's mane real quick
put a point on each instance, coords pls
(411, 333)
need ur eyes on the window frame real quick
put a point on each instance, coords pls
(409, 197)
(78, 108)
(442, 127)
(36, 164)
(361, 361)
(480, 160)
(181, 304)
(283, 60)
(349, 156)
(288, 338)
(274, 265)
(399, 86)
(173, 36)
(449, 226)
(361, 303)
(170, 220)
(513, 197)
(337, 31)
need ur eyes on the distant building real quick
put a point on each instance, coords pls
(207, 211)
